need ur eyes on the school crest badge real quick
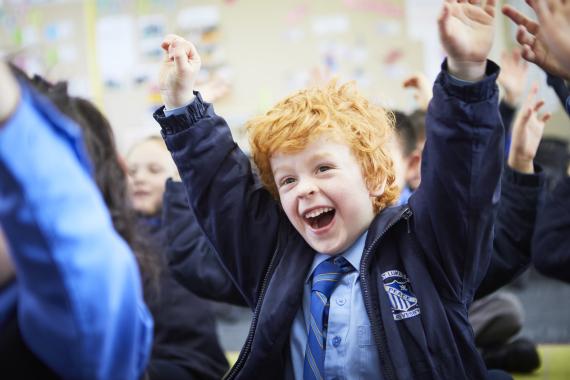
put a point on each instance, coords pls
(398, 288)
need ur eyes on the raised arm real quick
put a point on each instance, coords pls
(80, 304)
(520, 193)
(239, 217)
(455, 205)
(536, 41)
(191, 258)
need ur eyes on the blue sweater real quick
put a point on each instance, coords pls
(79, 300)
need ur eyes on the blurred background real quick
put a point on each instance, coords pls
(255, 52)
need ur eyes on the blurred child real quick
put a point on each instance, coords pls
(75, 307)
(149, 166)
(186, 343)
(407, 156)
(341, 284)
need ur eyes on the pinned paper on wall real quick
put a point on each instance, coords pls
(198, 17)
(297, 15)
(380, 7)
(389, 28)
(327, 25)
(151, 32)
(59, 30)
(30, 36)
(67, 54)
(294, 34)
(421, 21)
(115, 48)
(393, 56)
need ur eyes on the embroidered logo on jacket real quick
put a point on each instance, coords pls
(404, 303)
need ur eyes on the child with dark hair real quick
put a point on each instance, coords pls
(407, 156)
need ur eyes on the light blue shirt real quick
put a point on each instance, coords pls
(350, 350)
(78, 288)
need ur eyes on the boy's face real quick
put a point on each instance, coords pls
(323, 193)
(150, 165)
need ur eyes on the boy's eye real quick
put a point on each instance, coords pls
(155, 169)
(287, 181)
(323, 168)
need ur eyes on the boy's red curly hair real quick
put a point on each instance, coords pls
(341, 112)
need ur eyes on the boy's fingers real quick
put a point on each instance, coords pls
(168, 40)
(184, 53)
(490, 7)
(520, 19)
(526, 116)
(528, 54)
(524, 37)
(442, 20)
(546, 117)
(538, 105)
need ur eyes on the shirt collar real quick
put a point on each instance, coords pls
(353, 254)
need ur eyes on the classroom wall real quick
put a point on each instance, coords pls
(108, 50)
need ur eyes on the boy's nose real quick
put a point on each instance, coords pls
(307, 189)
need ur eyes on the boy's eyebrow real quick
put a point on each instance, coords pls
(322, 155)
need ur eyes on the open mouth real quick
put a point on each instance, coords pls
(320, 217)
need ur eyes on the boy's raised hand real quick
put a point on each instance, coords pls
(466, 30)
(513, 76)
(527, 133)
(554, 18)
(178, 71)
(532, 37)
(422, 89)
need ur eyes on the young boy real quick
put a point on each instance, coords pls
(341, 284)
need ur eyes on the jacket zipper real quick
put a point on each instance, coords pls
(379, 335)
(244, 353)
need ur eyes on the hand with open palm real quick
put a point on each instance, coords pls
(528, 128)
(533, 39)
(554, 18)
(466, 30)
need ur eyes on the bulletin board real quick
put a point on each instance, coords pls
(109, 50)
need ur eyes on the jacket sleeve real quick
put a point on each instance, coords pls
(551, 242)
(80, 304)
(455, 205)
(192, 261)
(516, 218)
(186, 344)
(240, 218)
(507, 115)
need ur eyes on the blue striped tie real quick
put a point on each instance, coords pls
(325, 278)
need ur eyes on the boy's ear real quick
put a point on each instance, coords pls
(379, 190)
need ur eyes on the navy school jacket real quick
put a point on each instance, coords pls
(551, 243)
(195, 265)
(439, 246)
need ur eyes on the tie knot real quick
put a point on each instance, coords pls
(328, 273)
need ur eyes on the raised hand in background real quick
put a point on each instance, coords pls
(422, 89)
(533, 38)
(513, 76)
(528, 128)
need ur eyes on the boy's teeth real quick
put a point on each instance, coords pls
(317, 212)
